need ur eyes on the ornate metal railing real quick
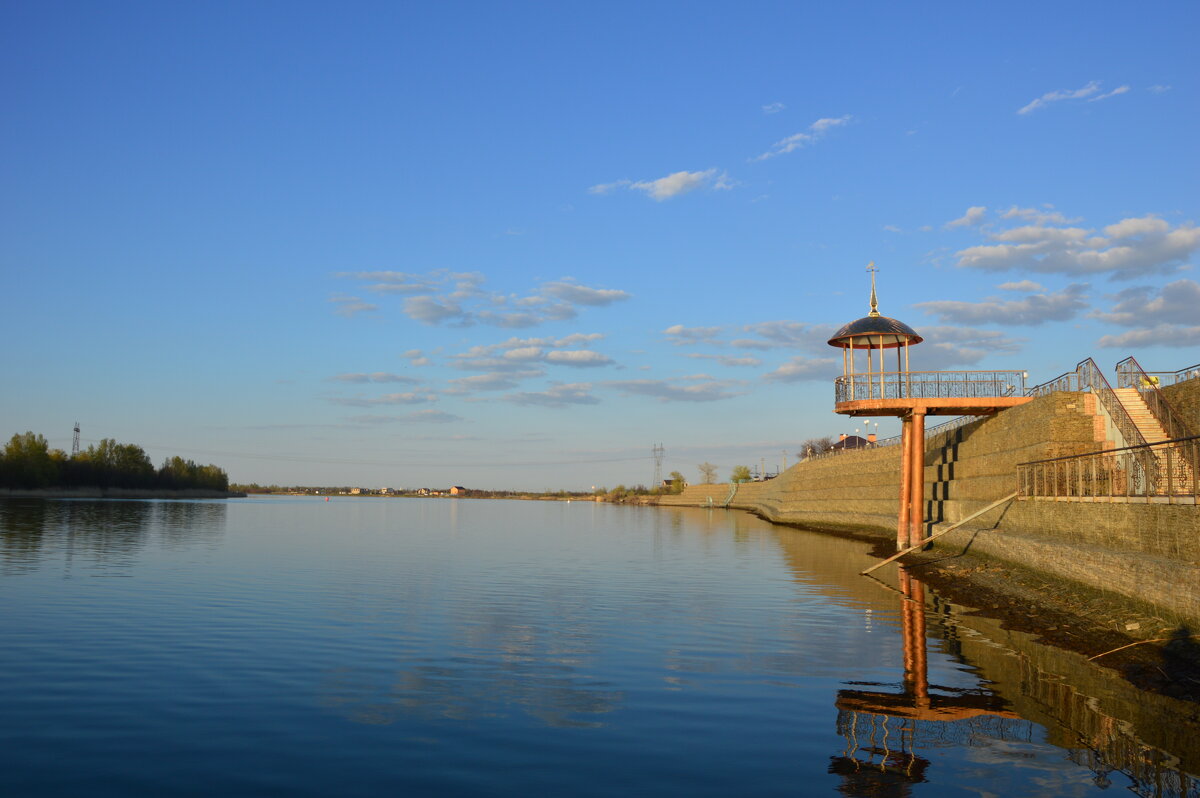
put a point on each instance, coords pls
(1068, 381)
(1173, 377)
(1093, 379)
(929, 385)
(1155, 471)
(1131, 375)
(1088, 377)
(945, 426)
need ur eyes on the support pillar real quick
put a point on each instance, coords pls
(905, 483)
(916, 470)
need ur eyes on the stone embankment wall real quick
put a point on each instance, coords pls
(1184, 398)
(1147, 552)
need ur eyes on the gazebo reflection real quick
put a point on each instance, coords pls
(883, 730)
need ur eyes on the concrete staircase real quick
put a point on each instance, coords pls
(1153, 432)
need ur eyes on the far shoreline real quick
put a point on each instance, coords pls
(116, 493)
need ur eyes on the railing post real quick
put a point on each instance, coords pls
(1170, 476)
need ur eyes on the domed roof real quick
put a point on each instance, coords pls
(874, 331)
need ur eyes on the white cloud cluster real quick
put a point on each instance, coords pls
(801, 368)
(459, 299)
(350, 306)
(685, 336)
(408, 398)
(693, 388)
(1089, 92)
(972, 218)
(814, 133)
(773, 108)
(378, 376)
(673, 185)
(1034, 309)
(557, 396)
(1130, 248)
(1169, 316)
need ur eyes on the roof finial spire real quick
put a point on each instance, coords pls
(874, 300)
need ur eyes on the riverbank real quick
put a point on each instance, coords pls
(1091, 576)
(117, 493)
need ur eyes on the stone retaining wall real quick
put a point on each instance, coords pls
(1148, 552)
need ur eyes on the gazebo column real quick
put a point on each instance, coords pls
(916, 473)
(905, 482)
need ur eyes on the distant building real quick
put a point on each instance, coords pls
(851, 442)
(457, 490)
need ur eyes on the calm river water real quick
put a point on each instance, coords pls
(364, 647)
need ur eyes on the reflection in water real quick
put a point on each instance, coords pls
(884, 731)
(881, 759)
(105, 534)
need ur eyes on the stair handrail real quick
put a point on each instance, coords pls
(1093, 379)
(1067, 381)
(1130, 374)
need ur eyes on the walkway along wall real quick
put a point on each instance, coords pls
(1148, 552)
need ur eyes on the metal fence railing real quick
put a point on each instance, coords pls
(1172, 377)
(1149, 472)
(1131, 375)
(929, 385)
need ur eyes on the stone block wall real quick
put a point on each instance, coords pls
(1184, 398)
(1143, 551)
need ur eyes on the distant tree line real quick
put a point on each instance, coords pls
(28, 462)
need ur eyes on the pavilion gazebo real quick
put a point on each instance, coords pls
(911, 395)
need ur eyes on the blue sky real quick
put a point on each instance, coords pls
(517, 245)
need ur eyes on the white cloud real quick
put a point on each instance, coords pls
(1048, 216)
(1031, 310)
(430, 310)
(524, 353)
(785, 335)
(409, 398)
(950, 346)
(1113, 93)
(703, 389)
(1173, 335)
(773, 108)
(1127, 249)
(805, 368)
(726, 360)
(1023, 285)
(416, 417)
(1062, 94)
(558, 396)
(350, 306)
(686, 336)
(579, 358)
(570, 291)
(674, 184)
(608, 188)
(461, 299)
(972, 218)
(378, 376)
(1175, 303)
(815, 132)
(1158, 89)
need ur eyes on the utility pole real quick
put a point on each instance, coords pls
(657, 452)
(75, 441)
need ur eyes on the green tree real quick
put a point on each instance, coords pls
(28, 462)
(678, 483)
(740, 473)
